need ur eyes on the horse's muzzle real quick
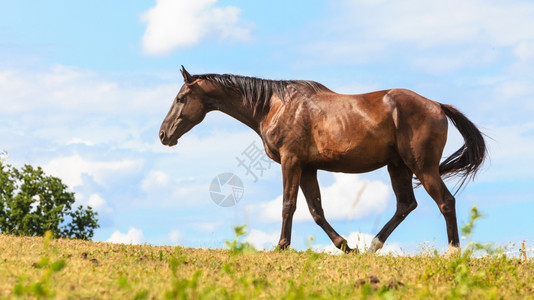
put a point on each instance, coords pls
(167, 140)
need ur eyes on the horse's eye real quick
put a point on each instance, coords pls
(180, 100)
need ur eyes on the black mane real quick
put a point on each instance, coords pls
(257, 92)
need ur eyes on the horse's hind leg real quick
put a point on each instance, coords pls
(310, 188)
(401, 181)
(436, 188)
(426, 168)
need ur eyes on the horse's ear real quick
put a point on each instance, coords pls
(187, 77)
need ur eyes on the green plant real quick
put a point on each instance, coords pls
(467, 231)
(460, 268)
(237, 246)
(181, 288)
(32, 203)
(42, 287)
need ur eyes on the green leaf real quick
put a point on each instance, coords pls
(58, 265)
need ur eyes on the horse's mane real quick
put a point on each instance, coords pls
(257, 92)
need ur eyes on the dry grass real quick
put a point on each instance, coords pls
(40, 267)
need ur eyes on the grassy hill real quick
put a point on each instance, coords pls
(45, 267)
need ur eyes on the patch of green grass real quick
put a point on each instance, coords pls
(44, 268)
(41, 288)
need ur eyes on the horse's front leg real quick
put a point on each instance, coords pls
(310, 188)
(291, 172)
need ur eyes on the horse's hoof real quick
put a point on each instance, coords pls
(376, 245)
(282, 245)
(453, 251)
(344, 247)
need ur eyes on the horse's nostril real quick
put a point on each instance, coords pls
(161, 135)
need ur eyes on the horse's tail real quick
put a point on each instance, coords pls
(467, 160)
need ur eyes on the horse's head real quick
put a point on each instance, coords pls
(187, 110)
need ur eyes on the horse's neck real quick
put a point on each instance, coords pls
(241, 112)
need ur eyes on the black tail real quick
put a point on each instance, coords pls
(466, 161)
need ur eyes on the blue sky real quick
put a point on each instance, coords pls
(84, 87)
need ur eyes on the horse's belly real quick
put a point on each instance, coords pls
(359, 159)
(348, 167)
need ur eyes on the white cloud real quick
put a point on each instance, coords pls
(174, 24)
(510, 153)
(164, 191)
(474, 32)
(175, 235)
(513, 89)
(434, 23)
(219, 144)
(266, 241)
(437, 63)
(71, 168)
(355, 88)
(261, 240)
(155, 179)
(185, 176)
(208, 227)
(525, 50)
(361, 241)
(99, 204)
(133, 236)
(95, 201)
(69, 92)
(348, 197)
(75, 141)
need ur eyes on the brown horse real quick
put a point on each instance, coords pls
(305, 126)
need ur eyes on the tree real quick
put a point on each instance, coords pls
(32, 203)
